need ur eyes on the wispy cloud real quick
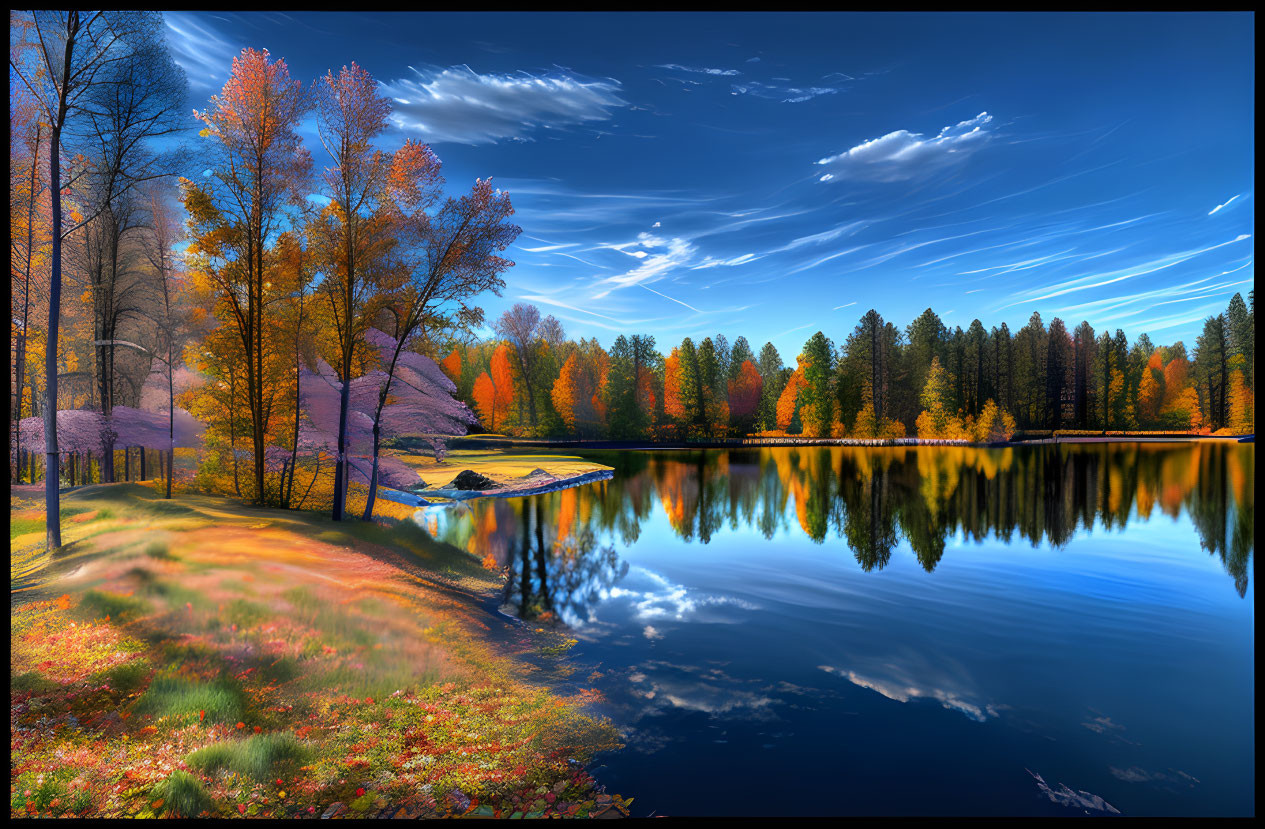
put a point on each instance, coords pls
(1221, 207)
(461, 106)
(777, 92)
(1085, 283)
(671, 254)
(200, 50)
(702, 70)
(904, 155)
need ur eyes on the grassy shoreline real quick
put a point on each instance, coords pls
(202, 656)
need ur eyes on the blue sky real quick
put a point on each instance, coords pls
(771, 175)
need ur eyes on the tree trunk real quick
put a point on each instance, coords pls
(52, 497)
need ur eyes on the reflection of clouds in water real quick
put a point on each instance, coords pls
(897, 683)
(1077, 800)
(655, 597)
(663, 685)
(1133, 774)
(1101, 725)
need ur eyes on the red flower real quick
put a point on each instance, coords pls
(241, 808)
(258, 729)
(241, 725)
(201, 716)
(360, 792)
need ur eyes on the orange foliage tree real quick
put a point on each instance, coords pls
(672, 405)
(789, 401)
(494, 393)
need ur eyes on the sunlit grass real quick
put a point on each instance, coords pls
(183, 795)
(261, 757)
(172, 696)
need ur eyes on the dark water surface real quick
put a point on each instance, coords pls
(1050, 630)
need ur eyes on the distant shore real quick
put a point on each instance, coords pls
(499, 442)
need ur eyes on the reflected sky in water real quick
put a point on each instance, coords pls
(1040, 631)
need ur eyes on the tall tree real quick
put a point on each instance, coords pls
(523, 328)
(258, 165)
(1212, 370)
(71, 56)
(1059, 371)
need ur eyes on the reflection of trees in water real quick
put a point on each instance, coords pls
(558, 573)
(870, 498)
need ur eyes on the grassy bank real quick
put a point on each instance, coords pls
(201, 656)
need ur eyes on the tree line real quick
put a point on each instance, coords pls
(926, 379)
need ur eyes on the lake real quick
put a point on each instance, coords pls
(1044, 630)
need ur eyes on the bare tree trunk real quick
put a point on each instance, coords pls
(52, 497)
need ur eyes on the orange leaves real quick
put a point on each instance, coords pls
(672, 405)
(786, 403)
(564, 392)
(494, 393)
(413, 175)
(452, 366)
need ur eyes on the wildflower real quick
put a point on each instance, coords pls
(360, 792)
(201, 716)
(258, 729)
(240, 726)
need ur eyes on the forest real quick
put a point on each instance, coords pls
(268, 327)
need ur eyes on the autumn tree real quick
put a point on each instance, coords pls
(258, 165)
(494, 390)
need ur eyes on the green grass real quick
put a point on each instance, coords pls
(173, 696)
(183, 795)
(158, 550)
(338, 629)
(245, 614)
(22, 526)
(262, 757)
(127, 677)
(31, 681)
(98, 604)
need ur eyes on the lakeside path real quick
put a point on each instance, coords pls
(203, 656)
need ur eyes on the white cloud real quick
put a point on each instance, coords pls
(675, 253)
(699, 69)
(903, 155)
(461, 106)
(1222, 206)
(785, 94)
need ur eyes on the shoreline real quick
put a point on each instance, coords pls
(259, 602)
(475, 441)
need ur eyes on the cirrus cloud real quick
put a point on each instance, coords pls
(461, 106)
(903, 154)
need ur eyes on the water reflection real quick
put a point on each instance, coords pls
(559, 546)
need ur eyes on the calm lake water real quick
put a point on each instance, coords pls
(1052, 630)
